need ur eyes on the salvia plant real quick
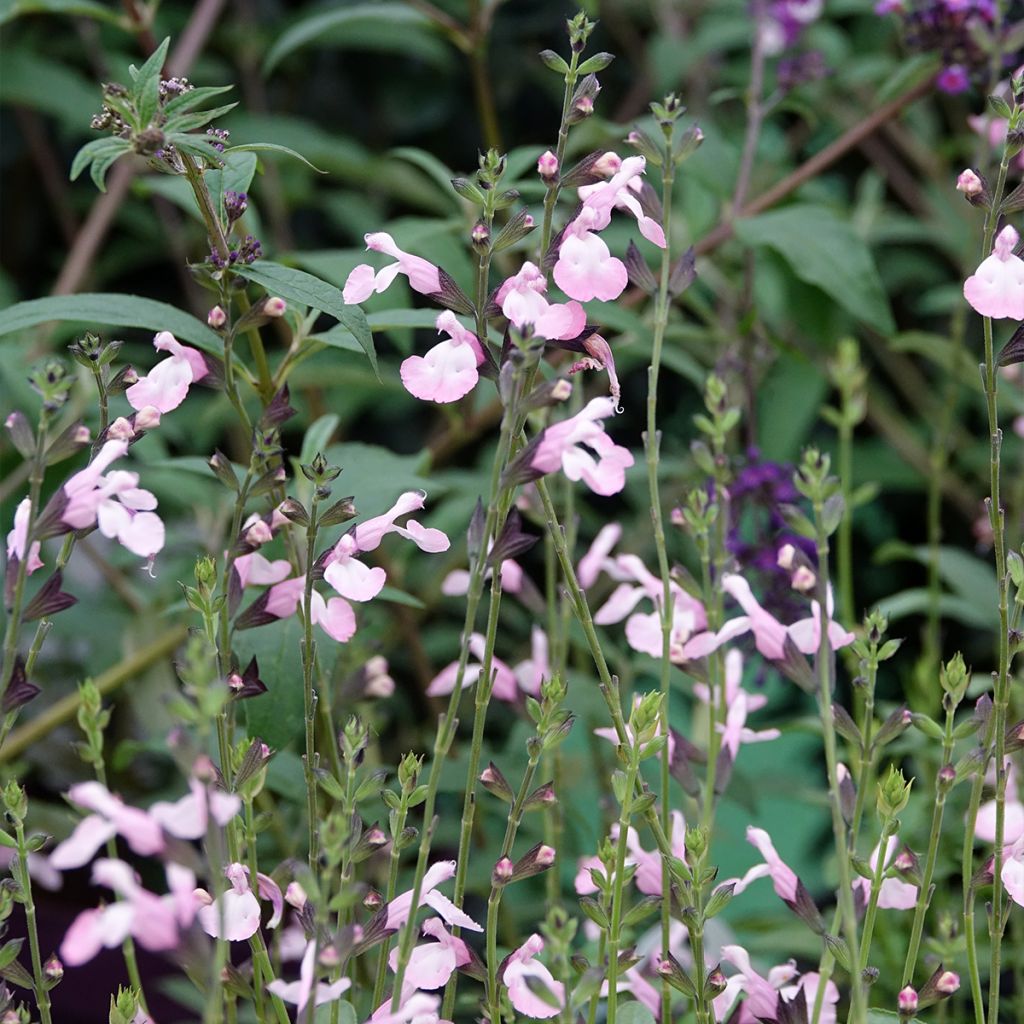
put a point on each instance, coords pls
(603, 723)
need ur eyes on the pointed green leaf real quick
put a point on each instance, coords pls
(271, 147)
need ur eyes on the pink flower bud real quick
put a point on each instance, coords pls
(275, 307)
(147, 418)
(480, 233)
(373, 900)
(907, 1000)
(503, 871)
(202, 898)
(488, 776)
(379, 686)
(295, 895)
(120, 430)
(676, 517)
(203, 769)
(82, 435)
(329, 956)
(804, 579)
(216, 317)
(54, 969)
(235, 681)
(130, 376)
(561, 390)
(947, 983)
(259, 533)
(547, 166)
(969, 183)
(528, 221)
(585, 106)
(608, 164)
(265, 751)
(785, 559)
(545, 856)
(904, 861)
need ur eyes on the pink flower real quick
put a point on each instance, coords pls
(298, 992)
(255, 570)
(448, 371)
(535, 669)
(167, 384)
(153, 921)
(894, 893)
(358, 582)
(1013, 819)
(414, 1008)
(433, 963)
(522, 300)
(188, 817)
(526, 979)
(401, 905)
(17, 539)
(1013, 872)
(562, 446)
(597, 559)
(238, 909)
(996, 289)
(112, 817)
(506, 684)
(113, 502)
(363, 281)
(648, 863)
(784, 879)
(587, 270)
(734, 731)
(335, 616)
(619, 192)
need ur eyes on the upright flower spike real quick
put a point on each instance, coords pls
(364, 281)
(238, 908)
(996, 288)
(561, 446)
(787, 886)
(532, 989)
(166, 385)
(449, 371)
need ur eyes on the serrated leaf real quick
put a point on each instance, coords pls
(298, 286)
(102, 309)
(271, 147)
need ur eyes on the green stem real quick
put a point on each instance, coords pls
(308, 695)
(41, 991)
(875, 891)
(553, 188)
(618, 883)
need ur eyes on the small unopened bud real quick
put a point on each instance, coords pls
(80, 433)
(202, 897)
(54, 969)
(547, 166)
(295, 896)
(381, 685)
(503, 872)
(607, 164)
(804, 579)
(480, 233)
(216, 318)
(676, 517)
(259, 533)
(275, 306)
(373, 900)
(969, 183)
(528, 221)
(946, 777)
(716, 982)
(785, 559)
(235, 681)
(907, 1000)
(203, 769)
(147, 418)
(905, 860)
(545, 855)
(120, 430)
(947, 983)
(329, 956)
(584, 106)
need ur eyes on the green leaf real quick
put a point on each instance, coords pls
(270, 147)
(11, 9)
(276, 716)
(385, 26)
(634, 1013)
(146, 88)
(298, 286)
(95, 151)
(824, 251)
(397, 596)
(193, 98)
(98, 308)
(430, 165)
(31, 80)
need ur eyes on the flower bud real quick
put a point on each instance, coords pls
(893, 794)
(907, 1000)
(492, 779)
(275, 307)
(147, 418)
(947, 983)
(54, 969)
(216, 318)
(202, 898)
(969, 183)
(120, 430)
(373, 900)
(257, 534)
(329, 956)
(503, 872)
(547, 166)
(785, 559)
(804, 579)
(607, 165)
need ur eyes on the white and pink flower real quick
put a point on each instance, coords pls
(364, 281)
(165, 386)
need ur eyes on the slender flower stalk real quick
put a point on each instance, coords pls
(308, 694)
(41, 988)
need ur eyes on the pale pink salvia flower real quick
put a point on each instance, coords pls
(1013, 872)
(448, 371)
(734, 730)
(17, 539)
(414, 1008)
(433, 963)
(400, 907)
(298, 992)
(587, 270)
(1013, 816)
(525, 977)
(254, 569)
(969, 183)
(783, 877)
(762, 996)
(597, 559)
(111, 816)
(506, 683)
(894, 893)
(996, 288)
(561, 446)
(334, 616)
(620, 191)
(521, 299)
(532, 672)
(238, 908)
(189, 817)
(167, 384)
(153, 921)
(114, 503)
(649, 863)
(364, 281)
